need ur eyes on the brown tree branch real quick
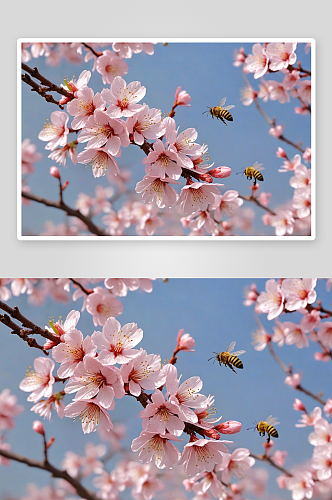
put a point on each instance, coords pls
(69, 211)
(51, 87)
(45, 465)
(258, 203)
(40, 90)
(269, 460)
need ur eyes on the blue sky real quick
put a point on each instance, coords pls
(206, 72)
(212, 311)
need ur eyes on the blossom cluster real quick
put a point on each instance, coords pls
(272, 58)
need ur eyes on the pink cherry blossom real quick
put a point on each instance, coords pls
(301, 485)
(157, 190)
(239, 57)
(295, 334)
(101, 202)
(156, 447)
(8, 409)
(84, 106)
(310, 419)
(250, 293)
(281, 55)
(117, 342)
(60, 328)
(90, 413)
(90, 463)
(257, 62)
(44, 406)
(291, 79)
(109, 65)
(100, 160)
(55, 131)
(29, 156)
(328, 407)
(293, 380)
(278, 92)
(298, 292)
(120, 286)
(283, 222)
(60, 154)
(205, 413)
(72, 463)
(147, 219)
(304, 91)
(183, 144)
(271, 301)
(123, 98)
(160, 416)
(161, 162)
(182, 98)
(226, 204)
(307, 154)
(291, 165)
(102, 305)
(71, 351)
(302, 177)
(322, 434)
(185, 396)
(302, 202)
(143, 372)
(91, 379)
(279, 457)
(281, 153)
(202, 455)
(197, 196)
(277, 130)
(264, 90)
(322, 462)
(260, 338)
(109, 484)
(248, 95)
(101, 131)
(205, 482)
(237, 464)
(40, 380)
(145, 124)
(324, 334)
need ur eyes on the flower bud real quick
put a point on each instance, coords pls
(298, 405)
(229, 427)
(182, 98)
(220, 172)
(38, 427)
(281, 153)
(268, 445)
(55, 172)
(65, 185)
(51, 441)
(184, 342)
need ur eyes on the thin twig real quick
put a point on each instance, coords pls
(258, 203)
(265, 458)
(45, 465)
(51, 87)
(69, 211)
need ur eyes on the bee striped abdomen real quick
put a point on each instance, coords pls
(235, 361)
(221, 113)
(272, 431)
(252, 172)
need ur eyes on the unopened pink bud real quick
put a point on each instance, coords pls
(182, 98)
(184, 341)
(220, 172)
(268, 445)
(254, 187)
(38, 427)
(230, 427)
(298, 405)
(281, 153)
(55, 172)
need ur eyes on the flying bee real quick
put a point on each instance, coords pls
(266, 426)
(252, 172)
(221, 112)
(228, 359)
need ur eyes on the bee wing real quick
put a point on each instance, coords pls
(231, 346)
(222, 102)
(257, 165)
(229, 107)
(237, 353)
(272, 420)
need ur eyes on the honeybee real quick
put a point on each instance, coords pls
(252, 172)
(266, 426)
(228, 359)
(221, 112)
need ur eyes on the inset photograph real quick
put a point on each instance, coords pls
(177, 138)
(192, 389)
